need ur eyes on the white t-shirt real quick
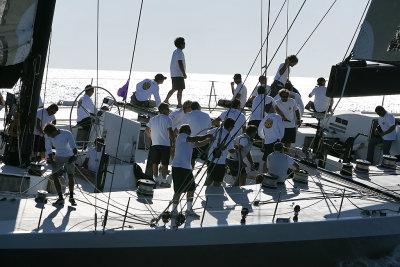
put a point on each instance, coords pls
(223, 137)
(288, 109)
(255, 91)
(246, 143)
(94, 157)
(174, 67)
(143, 95)
(321, 101)
(282, 78)
(258, 105)
(386, 122)
(298, 100)
(183, 152)
(240, 120)
(271, 128)
(278, 164)
(242, 90)
(85, 109)
(176, 117)
(199, 122)
(44, 118)
(159, 130)
(64, 143)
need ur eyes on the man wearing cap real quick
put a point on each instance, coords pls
(85, 110)
(321, 101)
(278, 163)
(178, 71)
(240, 92)
(263, 83)
(145, 89)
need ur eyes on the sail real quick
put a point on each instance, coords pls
(379, 37)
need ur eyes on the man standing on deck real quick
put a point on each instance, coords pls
(272, 130)
(200, 123)
(218, 152)
(85, 111)
(282, 75)
(287, 108)
(145, 89)
(385, 133)
(43, 117)
(263, 83)
(278, 163)
(236, 115)
(159, 129)
(178, 71)
(258, 107)
(65, 156)
(321, 102)
(240, 92)
(182, 175)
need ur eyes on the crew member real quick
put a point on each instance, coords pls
(218, 152)
(385, 133)
(278, 163)
(65, 156)
(272, 130)
(242, 145)
(282, 75)
(182, 175)
(145, 89)
(178, 71)
(178, 114)
(258, 107)
(85, 111)
(287, 108)
(240, 92)
(43, 116)
(93, 158)
(159, 129)
(200, 123)
(263, 82)
(236, 115)
(321, 103)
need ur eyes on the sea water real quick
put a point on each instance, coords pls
(66, 84)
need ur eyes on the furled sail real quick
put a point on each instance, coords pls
(379, 37)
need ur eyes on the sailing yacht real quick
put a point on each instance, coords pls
(337, 208)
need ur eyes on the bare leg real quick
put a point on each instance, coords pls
(57, 185)
(242, 179)
(164, 171)
(155, 170)
(217, 184)
(189, 196)
(179, 96)
(265, 170)
(308, 106)
(193, 162)
(170, 93)
(287, 146)
(71, 184)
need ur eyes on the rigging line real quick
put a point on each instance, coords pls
(287, 25)
(97, 51)
(355, 32)
(267, 45)
(261, 35)
(326, 13)
(123, 113)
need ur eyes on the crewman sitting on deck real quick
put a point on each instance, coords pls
(85, 111)
(258, 107)
(239, 93)
(278, 163)
(145, 89)
(43, 117)
(236, 115)
(93, 157)
(321, 103)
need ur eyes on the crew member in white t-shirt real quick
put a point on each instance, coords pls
(93, 158)
(296, 97)
(218, 151)
(385, 133)
(236, 115)
(145, 89)
(200, 123)
(288, 109)
(321, 103)
(182, 175)
(263, 82)
(282, 75)
(240, 92)
(85, 112)
(65, 156)
(178, 114)
(178, 71)
(159, 129)
(43, 117)
(235, 161)
(278, 163)
(271, 130)
(258, 107)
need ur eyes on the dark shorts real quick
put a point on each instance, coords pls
(146, 104)
(183, 180)
(216, 172)
(290, 135)
(199, 151)
(178, 83)
(233, 166)
(39, 144)
(275, 87)
(160, 154)
(268, 149)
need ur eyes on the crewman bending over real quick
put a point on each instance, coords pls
(145, 89)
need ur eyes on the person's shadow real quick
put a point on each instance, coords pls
(48, 224)
(240, 196)
(215, 204)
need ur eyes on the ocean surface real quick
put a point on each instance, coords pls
(66, 84)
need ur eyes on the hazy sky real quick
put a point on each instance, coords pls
(222, 36)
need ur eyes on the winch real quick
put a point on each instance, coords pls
(389, 161)
(301, 176)
(270, 180)
(347, 170)
(362, 165)
(146, 187)
(41, 196)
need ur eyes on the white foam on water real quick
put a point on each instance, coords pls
(392, 260)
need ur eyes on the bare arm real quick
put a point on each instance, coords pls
(284, 67)
(54, 122)
(280, 113)
(298, 118)
(198, 138)
(233, 88)
(38, 126)
(182, 68)
(85, 163)
(171, 135)
(215, 121)
(148, 131)
(391, 129)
